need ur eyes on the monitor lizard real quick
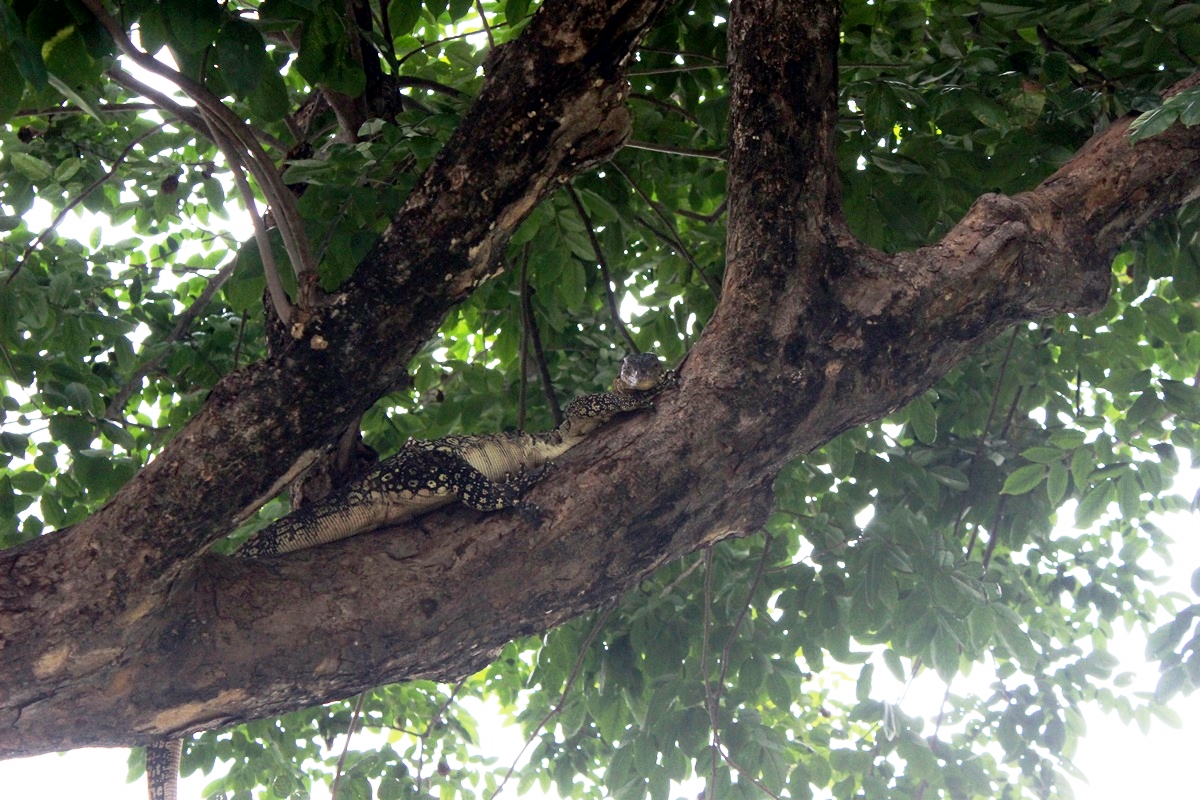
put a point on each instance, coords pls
(487, 472)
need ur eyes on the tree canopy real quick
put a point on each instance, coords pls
(929, 273)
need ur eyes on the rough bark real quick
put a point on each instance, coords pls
(117, 632)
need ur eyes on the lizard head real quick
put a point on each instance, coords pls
(639, 372)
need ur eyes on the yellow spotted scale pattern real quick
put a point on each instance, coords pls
(487, 472)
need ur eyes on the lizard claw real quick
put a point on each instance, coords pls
(529, 512)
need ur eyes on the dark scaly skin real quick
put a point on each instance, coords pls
(487, 472)
(162, 769)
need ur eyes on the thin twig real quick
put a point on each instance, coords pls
(641, 73)
(116, 406)
(337, 775)
(707, 218)
(604, 274)
(523, 350)
(987, 426)
(716, 155)
(673, 242)
(483, 21)
(681, 578)
(583, 650)
(709, 700)
(422, 738)
(75, 201)
(410, 82)
(663, 104)
(239, 134)
(53, 111)
(742, 771)
(436, 42)
(737, 623)
(539, 355)
(279, 298)
(671, 238)
(683, 54)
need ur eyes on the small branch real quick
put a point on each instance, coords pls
(663, 104)
(188, 116)
(483, 21)
(737, 624)
(535, 339)
(52, 111)
(240, 137)
(716, 697)
(422, 738)
(436, 42)
(987, 427)
(410, 82)
(337, 775)
(672, 237)
(716, 155)
(740, 770)
(583, 649)
(75, 201)
(116, 406)
(709, 219)
(716, 62)
(523, 350)
(675, 69)
(710, 702)
(682, 577)
(672, 242)
(279, 298)
(604, 274)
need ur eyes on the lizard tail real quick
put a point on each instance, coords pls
(162, 769)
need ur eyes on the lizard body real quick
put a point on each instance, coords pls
(487, 472)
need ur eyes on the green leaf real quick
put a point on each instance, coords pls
(269, 100)
(894, 665)
(192, 24)
(862, 690)
(1043, 455)
(1129, 493)
(325, 54)
(241, 56)
(515, 10)
(403, 16)
(1183, 399)
(923, 417)
(30, 166)
(1093, 504)
(12, 86)
(75, 432)
(1023, 479)
(1152, 123)
(28, 481)
(1056, 483)
(1082, 462)
(1016, 642)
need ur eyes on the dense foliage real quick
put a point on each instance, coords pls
(998, 522)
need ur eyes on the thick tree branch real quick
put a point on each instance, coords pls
(814, 333)
(554, 102)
